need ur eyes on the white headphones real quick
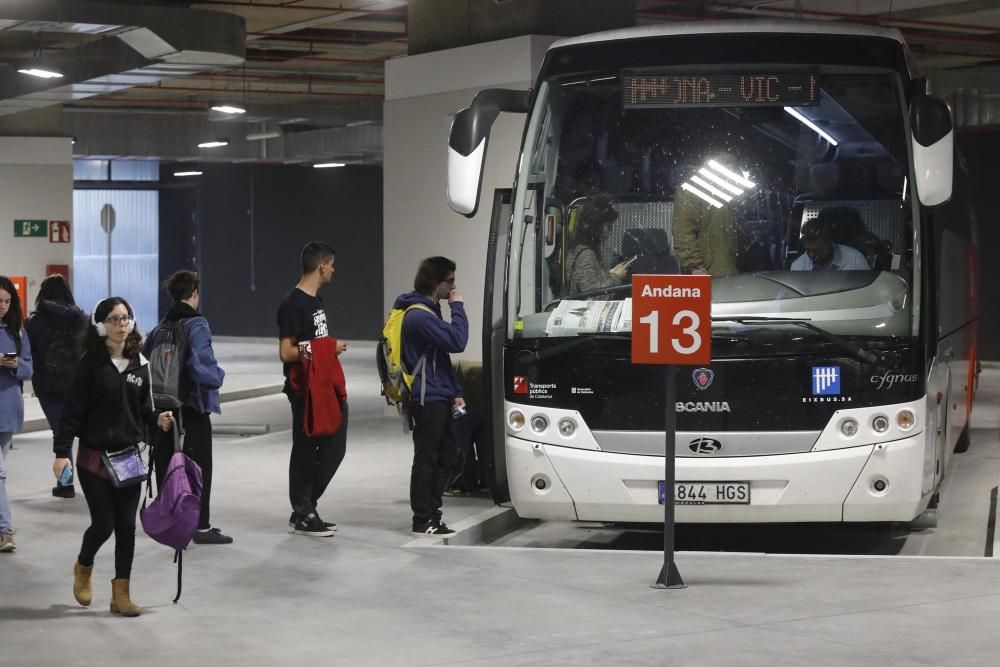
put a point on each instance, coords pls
(101, 328)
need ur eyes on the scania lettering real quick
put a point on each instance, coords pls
(843, 363)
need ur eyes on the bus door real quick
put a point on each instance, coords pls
(494, 336)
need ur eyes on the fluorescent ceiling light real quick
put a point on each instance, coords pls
(701, 195)
(187, 173)
(327, 165)
(214, 143)
(701, 182)
(360, 122)
(811, 125)
(259, 136)
(41, 72)
(729, 173)
(228, 108)
(715, 178)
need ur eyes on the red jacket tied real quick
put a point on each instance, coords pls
(319, 377)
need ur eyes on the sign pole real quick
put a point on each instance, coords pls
(672, 316)
(108, 225)
(109, 263)
(670, 576)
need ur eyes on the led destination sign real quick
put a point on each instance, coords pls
(790, 89)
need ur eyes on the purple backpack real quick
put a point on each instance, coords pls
(172, 517)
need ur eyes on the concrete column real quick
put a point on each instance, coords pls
(434, 25)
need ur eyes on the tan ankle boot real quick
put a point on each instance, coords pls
(81, 584)
(121, 603)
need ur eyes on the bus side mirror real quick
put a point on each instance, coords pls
(933, 141)
(470, 132)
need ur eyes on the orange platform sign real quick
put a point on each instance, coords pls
(671, 319)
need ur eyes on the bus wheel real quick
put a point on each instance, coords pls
(962, 445)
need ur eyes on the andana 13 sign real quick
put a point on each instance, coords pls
(671, 319)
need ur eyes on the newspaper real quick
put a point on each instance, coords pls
(571, 318)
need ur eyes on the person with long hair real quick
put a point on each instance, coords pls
(55, 328)
(109, 408)
(15, 368)
(584, 269)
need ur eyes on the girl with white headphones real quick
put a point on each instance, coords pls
(109, 408)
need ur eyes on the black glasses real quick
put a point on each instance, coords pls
(116, 320)
(450, 281)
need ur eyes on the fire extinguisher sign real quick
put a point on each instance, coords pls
(59, 231)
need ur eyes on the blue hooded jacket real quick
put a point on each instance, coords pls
(428, 333)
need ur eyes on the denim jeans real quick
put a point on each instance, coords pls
(6, 522)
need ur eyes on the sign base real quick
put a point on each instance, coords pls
(670, 578)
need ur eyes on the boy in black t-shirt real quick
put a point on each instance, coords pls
(314, 460)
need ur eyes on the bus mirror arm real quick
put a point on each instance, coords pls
(470, 133)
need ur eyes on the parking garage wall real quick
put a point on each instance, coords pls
(420, 103)
(36, 184)
(242, 228)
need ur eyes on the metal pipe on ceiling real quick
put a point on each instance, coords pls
(308, 8)
(322, 59)
(324, 39)
(312, 78)
(195, 89)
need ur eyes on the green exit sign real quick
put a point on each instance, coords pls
(31, 228)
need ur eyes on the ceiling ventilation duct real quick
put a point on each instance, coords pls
(137, 44)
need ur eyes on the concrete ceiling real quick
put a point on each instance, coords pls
(315, 68)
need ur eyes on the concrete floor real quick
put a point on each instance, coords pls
(369, 596)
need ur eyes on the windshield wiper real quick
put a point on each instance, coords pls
(562, 348)
(851, 348)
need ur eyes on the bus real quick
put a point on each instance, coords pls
(808, 170)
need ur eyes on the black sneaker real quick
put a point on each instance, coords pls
(432, 529)
(64, 491)
(211, 536)
(312, 526)
(293, 519)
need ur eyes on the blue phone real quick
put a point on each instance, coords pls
(66, 478)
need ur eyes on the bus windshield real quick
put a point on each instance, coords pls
(788, 187)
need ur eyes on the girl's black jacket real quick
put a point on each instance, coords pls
(106, 409)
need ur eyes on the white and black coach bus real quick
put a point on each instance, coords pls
(832, 395)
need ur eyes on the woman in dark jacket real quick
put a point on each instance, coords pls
(55, 329)
(109, 407)
(584, 270)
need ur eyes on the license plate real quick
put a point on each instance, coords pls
(708, 493)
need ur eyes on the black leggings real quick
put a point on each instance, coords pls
(111, 511)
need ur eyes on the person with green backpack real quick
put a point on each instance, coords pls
(434, 395)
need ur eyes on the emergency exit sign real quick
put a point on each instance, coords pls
(31, 228)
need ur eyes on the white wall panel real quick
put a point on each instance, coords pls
(36, 182)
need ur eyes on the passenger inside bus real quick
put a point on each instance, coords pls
(704, 236)
(584, 268)
(821, 252)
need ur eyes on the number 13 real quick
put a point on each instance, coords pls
(653, 320)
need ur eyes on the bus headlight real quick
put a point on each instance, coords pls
(849, 428)
(515, 418)
(880, 424)
(905, 420)
(539, 423)
(567, 427)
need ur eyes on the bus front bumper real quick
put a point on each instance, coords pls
(553, 482)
